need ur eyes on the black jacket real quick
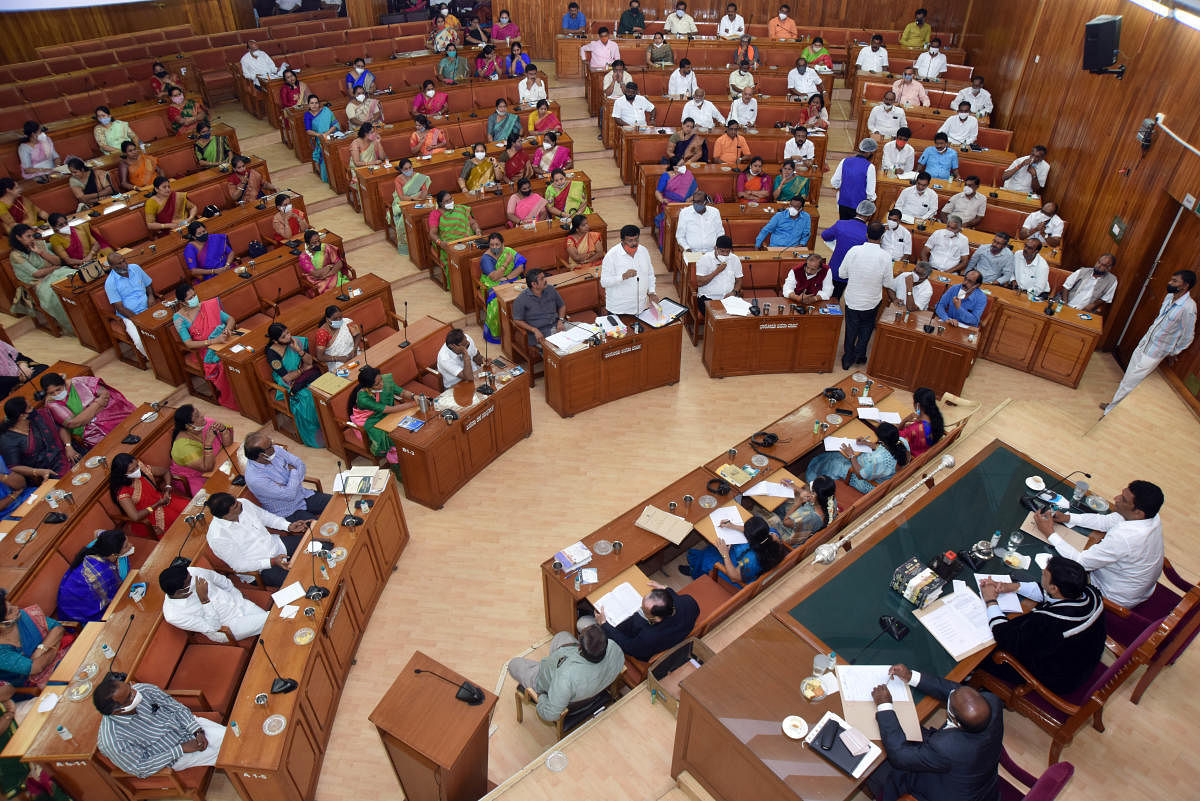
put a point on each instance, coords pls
(641, 639)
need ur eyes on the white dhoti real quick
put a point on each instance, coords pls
(1140, 366)
(215, 733)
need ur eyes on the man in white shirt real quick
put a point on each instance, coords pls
(979, 98)
(1044, 224)
(701, 111)
(745, 111)
(732, 26)
(458, 359)
(873, 58)
(816, 275)
(968, 205)
(932, 63)
(803, 83)
(1126, 563)
(740, 79)
(533, 88)
(897, 240)
(866, 268)
(800, 148)
(886, 118)
(1091, 289)
(962, 129)
(919, 201)
(239, 537)
(1030, 270)
(615, 80)
(627, 275)
(947, 249)
(699, 225)
(911, 290)
(718, 274)
(682, 82)
(631, 108)
(208, 603)
(680, 23)
(898, 155)
(256, 64)
(1028, 174)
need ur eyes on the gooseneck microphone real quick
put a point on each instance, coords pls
(280, 685)
(315, 591)
(405, 343)
(131, 438)
(468, 693)
(239, 480)
(180, 560)
(350, 520)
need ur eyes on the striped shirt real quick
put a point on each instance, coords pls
(151, 738)
(1173, 328)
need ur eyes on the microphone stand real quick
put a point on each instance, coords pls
(1062, 482)
(487, 388)
(117, 652)
(637, 322)
(180, 560)
(405, 343)
(239, 480)
(315, 591)
(131, 438)
(593, 336)
(280, 684)
(275, 305)
(350, 520)
(754, 308)
(468, 693)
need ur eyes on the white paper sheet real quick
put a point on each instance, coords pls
(859, 680)
(863, 400)
(619, 604)
(47, 701)
(288, 611)
(771, 489)
(959, 623)
(286, 595)
(737, 306)
(1009, 602)
(835, 444)
(729, 536)
(873, 413)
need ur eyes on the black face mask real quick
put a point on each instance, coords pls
(526, 192)
(315, 248)
(1097, 273)
(202, 237)
(629, 97)
(1172, 289)
(160, 74)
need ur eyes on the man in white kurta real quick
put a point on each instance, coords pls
(627, 275)
(206, 602)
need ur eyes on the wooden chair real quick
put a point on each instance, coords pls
(1041, 788)
(577, 713)
(167, 783)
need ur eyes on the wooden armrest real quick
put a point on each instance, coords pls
(1175, 578)
(1116, 608)
(198, 695)
(396, 318)
(316, 482)
(1032, 684)
(430, 370)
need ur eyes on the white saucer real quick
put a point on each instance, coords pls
(795, 727)
(1035, 483)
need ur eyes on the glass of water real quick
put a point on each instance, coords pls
(1081, 488)
(1015, 539)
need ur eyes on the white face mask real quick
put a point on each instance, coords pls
(60, 395)
(893, 225)
(722, 259)
(479, 154)
(65, 230)
(134, 702)
(679, 12)
(546, 145)
(103, 120)
(681, 169)
(782, 15)
(430, 92)
(793, 211)
(962, 115)
(336, 324)
(887, 104)
(360, 98)
(358, 70)
(968, 190)
(449, 205)
(933, 51)
(42, 136)
(136, 474)
(287, 208)
(504, 20)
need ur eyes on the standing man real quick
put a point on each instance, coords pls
(698, 226)
(947, 249)
(917, 34)
(847, 234)
(1169, 335)
(682, 82)
(276, 477)
(627, 275)
(866, 269)
(130, 291)
(539, 311)
(1028, 174)
(600, 53)
(854, 179)
(1091, 289)
(718, 274)
(458, 359)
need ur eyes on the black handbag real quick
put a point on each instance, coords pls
(256, 249)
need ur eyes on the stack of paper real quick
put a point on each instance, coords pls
(1010, 602)
(836, 443)
(872, 413)
(573, 556)
(857, 682)
(958, 622)
(620, 604)
(672, 528)
(771, 489)
(729, 536)
(736, 306)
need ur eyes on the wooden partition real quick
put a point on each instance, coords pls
(714, 179)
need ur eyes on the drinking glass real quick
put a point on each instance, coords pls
(1081, 488)
(1015, 539)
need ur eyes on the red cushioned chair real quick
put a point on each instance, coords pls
(167, 783)
(1041, 788)
(1181, 620)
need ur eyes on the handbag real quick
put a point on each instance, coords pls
(304, 379)
(88, 271)
(256, 249)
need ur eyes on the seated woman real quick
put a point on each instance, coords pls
(659, 53)
(542, 119)
(365, 150)
(195, 444)
(449, 222)
(686, 144)
(143, 493)
(924, 427)
(321, 265)
(476, 35)
(489, 66)
(167, 209)
(410, 185)
(184, 113)
(817, 55)
(200, 325)
(31, 644)
(85, 406)
(14, 490)
(137, 168)
(452, 69)
(443, 36)
(754, 185)
(15, 368)
(515, 160)
(816, 507)
(788, 184)
(425, 140)
(359, 77)
(516, 61)
(479, 171)
(94, 576)
(377, 396)
(585, 247)
(552, 156)
(212, 151)
(245, 184)
(110, 133)
(293, 369)
(86, 183)
(75, 244)
(32, 443)
(36, 151)
(37, 269)
(430, 101)
(676, 185)
(743, 563)
(161, 80)
(863, 471)
(501, 125)
(363, 108)
(524, 206)
(294, 91)
(566, 197)
(499, 265)
(206, 254)
(505, 28)
(318, 121)
(814, 115)
(15, 209)
(289, 222)
(338, 340)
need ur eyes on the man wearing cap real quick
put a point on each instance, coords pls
(847, 234)
(854, 179)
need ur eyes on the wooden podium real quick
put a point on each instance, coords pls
(438, 745)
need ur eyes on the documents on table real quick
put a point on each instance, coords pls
(367, 480)
(771, 489)
(858, 681)
(873, 413)
(573, 556)
(835, 444)
(573, 337)
(863, 400)
(729, 536)
(666, 311)
(854, 769)
(286, 595)
(671, 528)
(736, 306)
(958, 622)
(1009, 602)
(1074, 538)
(621, 603)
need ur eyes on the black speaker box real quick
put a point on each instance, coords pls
(1101, 42)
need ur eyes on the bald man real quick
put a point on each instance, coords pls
(958, 762)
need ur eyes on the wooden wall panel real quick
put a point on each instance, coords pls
(365, 13)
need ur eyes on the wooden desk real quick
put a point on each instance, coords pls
(635, 146)
(715, 179)
(1017, 333)
(506, 294)
(653, 81)
(705, 527)
(778, 477)
(775, 343)
(632, 574)
(702, 51)
(905, 356)
(593, 376)
(742, 222)
(976, 239)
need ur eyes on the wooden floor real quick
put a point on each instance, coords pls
(466, 590)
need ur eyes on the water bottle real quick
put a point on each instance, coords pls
(64, 733)
(578, 580)
(107, 650)
(233, 726)
(996, 539)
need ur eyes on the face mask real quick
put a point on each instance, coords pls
(632, 250)
(406, 171)
(65, 230)
(429, 92)
(360, 98)
(160, 74)
(782, 15)
(104, 120)
(449, 205)
(1097, 272)
(908, 78)
(193, 302)
(479, 154)
(681, 169)
(452, 53)
(893, 225)
(57, 396)
(699, 207)
(968, 190)
(445, 12)
(793, 212)
(678, 12)
(358, 70)
(526, 192)
(42, 137)
(963, 116)
(933, 51)
(201, 237)
(1172, 289)
(314, 248)
(629, 97)
(546, 145)
(134, 702)
(503, 20)
(887, 105)
(136, 474)
(287, 208)
(336, 324)
(177, 100)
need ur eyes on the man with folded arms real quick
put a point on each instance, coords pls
(968, 205)
(810, 283)
(575, 670)
(539, 310)
(963, 305)
(276, 477)
(741, 78)
(240, 536)
(1031, 273)
(1091, 289)
(206, 602)
(947, 249)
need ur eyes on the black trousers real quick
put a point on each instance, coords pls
(859, 327)
(846, 213)
(275, 576)
(313, 506)
(838, 288)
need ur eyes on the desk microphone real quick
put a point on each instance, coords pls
(149, 417)
(34, 533)
(350, 520)
(239, 480)
(888, 624)
(754, 309)
(1062, 482)
(113, 660)
(487, 388)
(593, 336)
(637, 320)
(280, 685)
(180, 560)
(275, 305)
(405, 343)
(316, 592)
(468, 693)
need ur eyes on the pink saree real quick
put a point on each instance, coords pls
(82, 390)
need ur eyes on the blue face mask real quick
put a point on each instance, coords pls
(193, 302)
(336, 324)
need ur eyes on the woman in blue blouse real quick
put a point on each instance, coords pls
(864, 471)
(744, 563)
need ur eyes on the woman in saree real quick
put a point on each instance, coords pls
(476, 35)
(817, 55)
(542, 119)
(167, 209)
(447, 223)
(500, 124)
(365, 150)
(143, 493)
(111, 133)
(686, 144)
(516, 161)
(443, 36)
(200, 325)
(754, 185)
(659, 53)
(88, 184)
(293, 369)
(321, 265)
(676, 185)
(161, 80)
(816, 507)
(430, 101)
(211, 151)
(479, 171)
(505, 28)
(359, 78)
(524, 206)
(75, 244)
(489, 66)
(94, 577)
(319, 120)
(31, 644)
(863, 471)
(15, 489)
(452, 69)
(425, 140)
(410, 185)
(15, 208)
(293, 92)
(742, 563)
(551, 156)
(195, 444)
(363, 108)
(183, 114)
(585, 247)
(499, 265)
(206, 254)
(924, 427)
(377, 396)
(516, 61)
(338, 340)
(33, 444)
(814, 115)
(36, 151)
(37, 270)
(289, 223)
(137, 168)
(788, 184)
(85, 406)
(566, 197)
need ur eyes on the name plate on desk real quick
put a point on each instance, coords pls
(623, 351)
